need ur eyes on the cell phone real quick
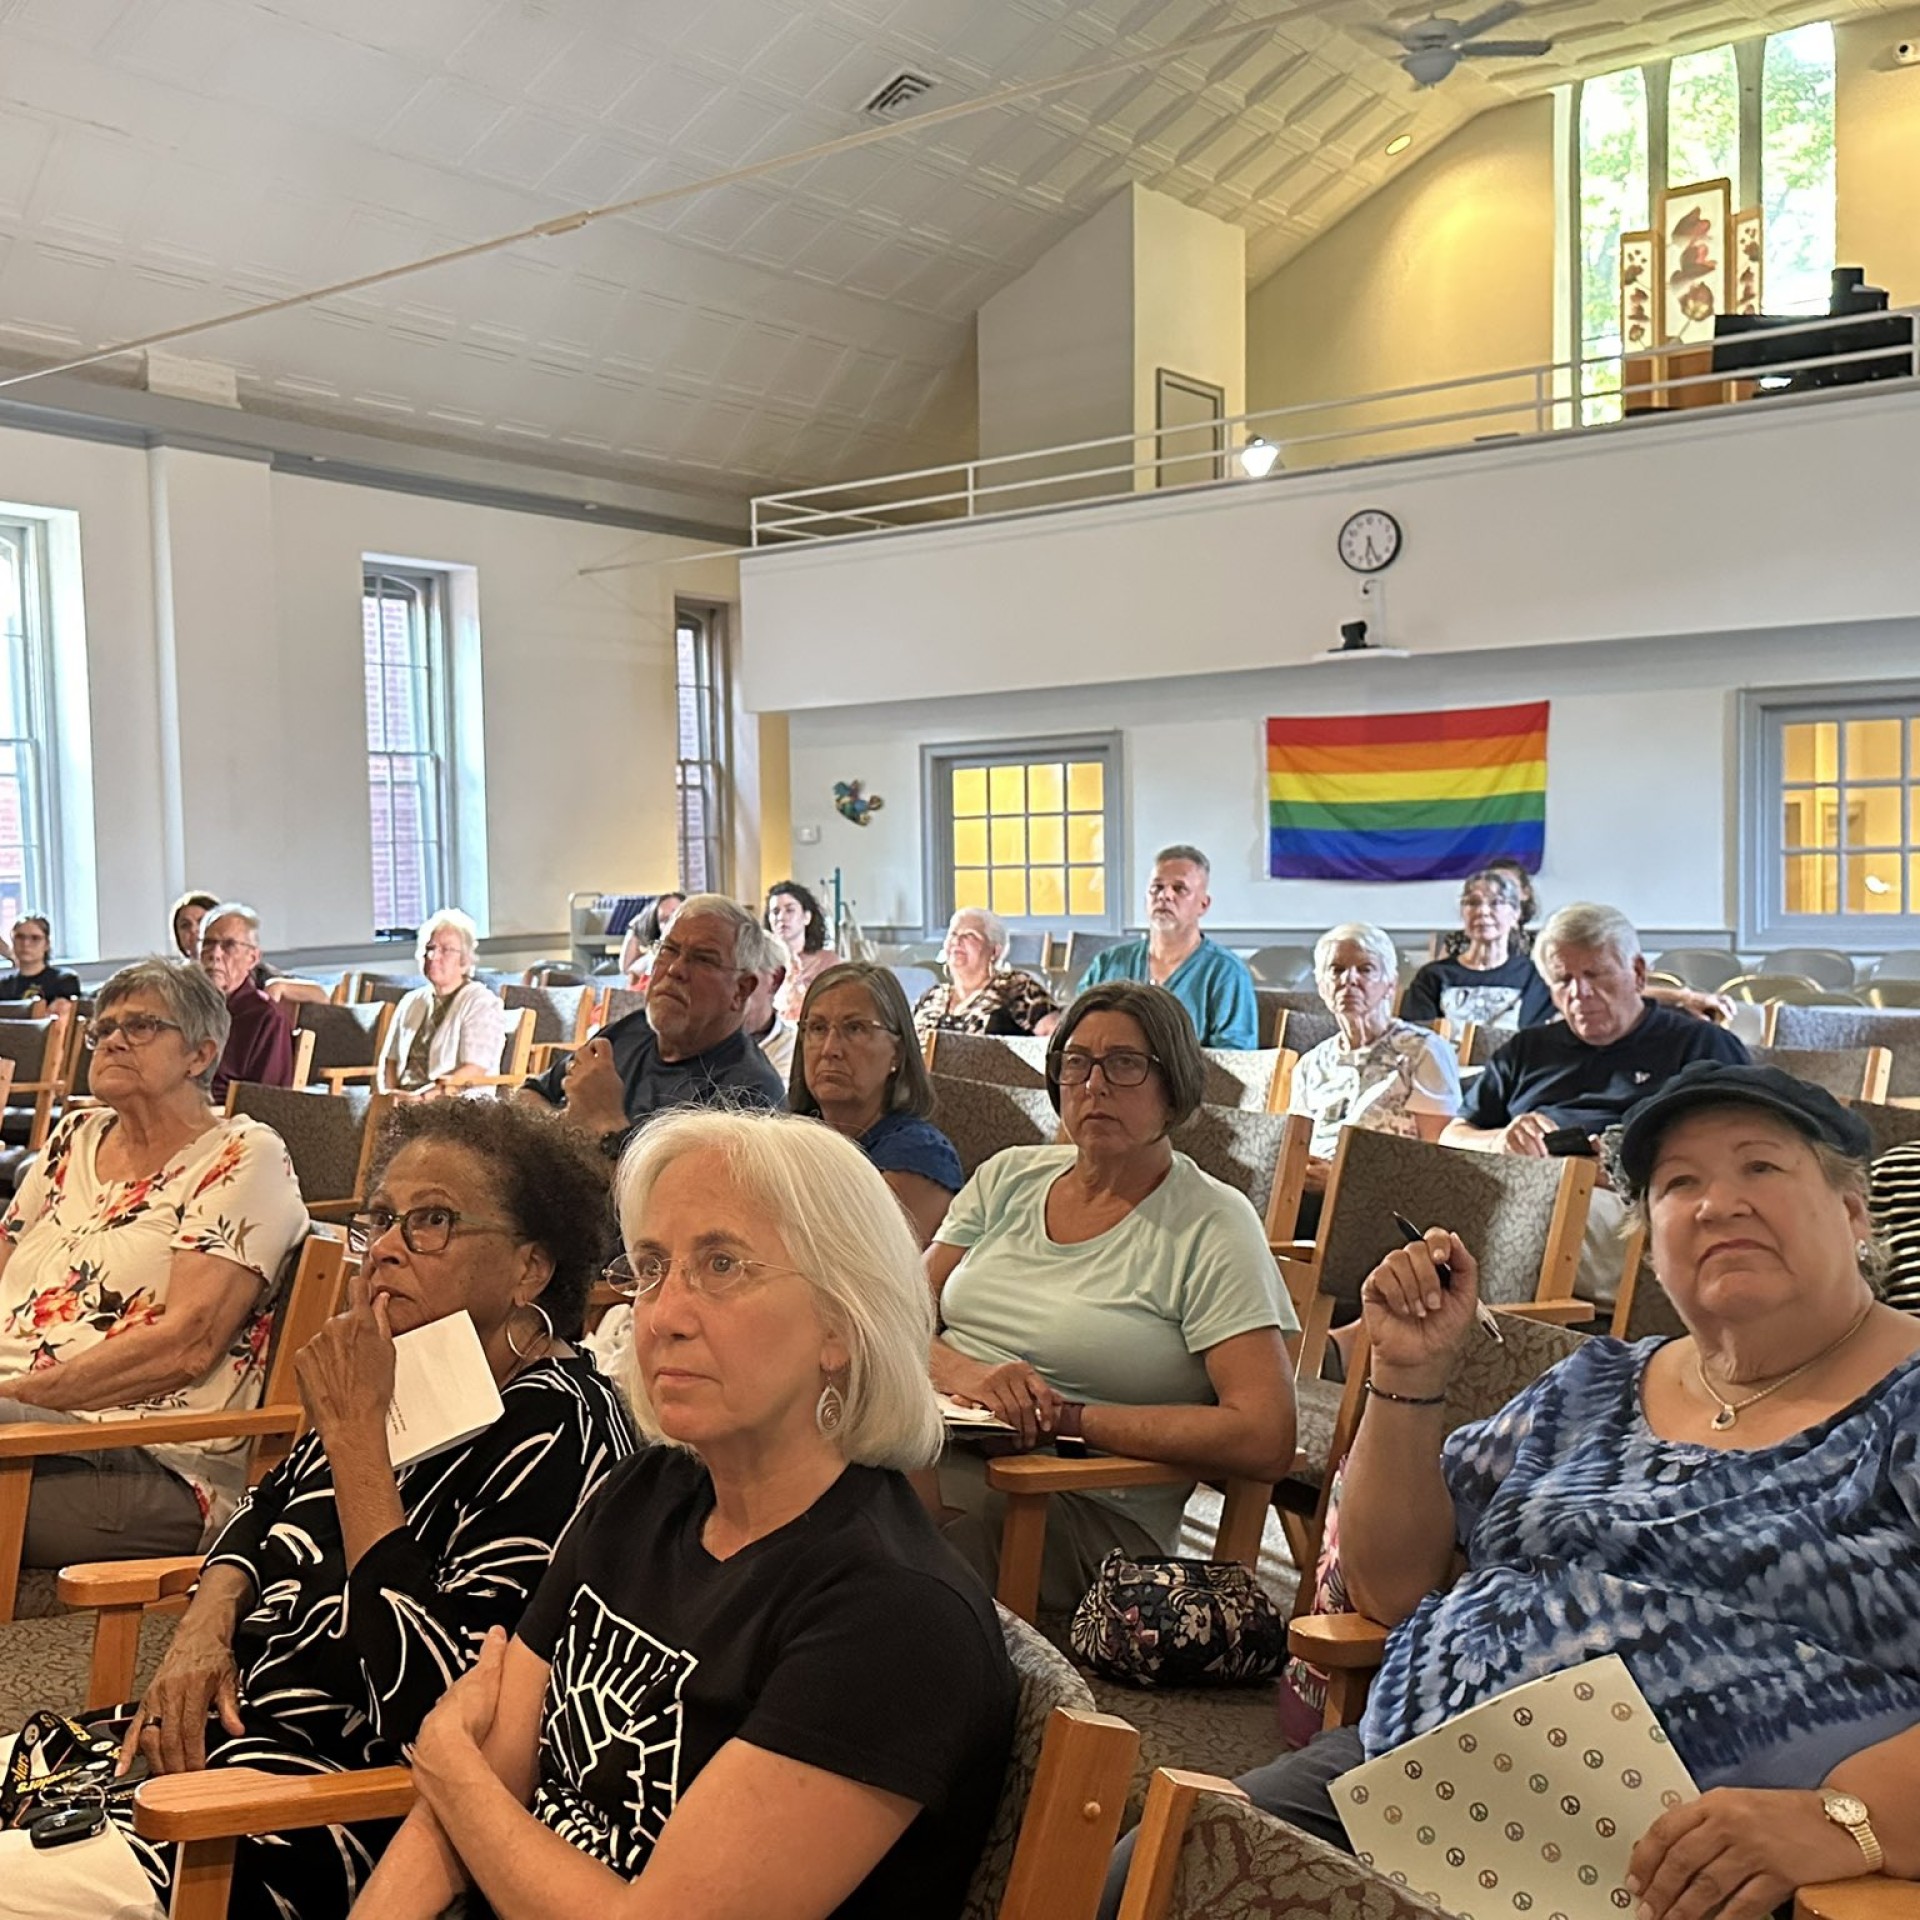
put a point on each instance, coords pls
(1569, 1142)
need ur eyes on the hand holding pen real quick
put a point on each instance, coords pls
(1443, 1272)
(1416, 1325)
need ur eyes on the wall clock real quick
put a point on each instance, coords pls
(1370, 541)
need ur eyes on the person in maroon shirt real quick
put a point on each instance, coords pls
(260, 1043)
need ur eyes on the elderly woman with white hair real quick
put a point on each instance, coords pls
(754, 1679)
(446, 1035)
(981, 993)
(1377, 1072)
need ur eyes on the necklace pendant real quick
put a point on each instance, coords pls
(1725, 1418)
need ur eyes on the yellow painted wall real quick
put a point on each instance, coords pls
(1446, 270)
(1877, 151)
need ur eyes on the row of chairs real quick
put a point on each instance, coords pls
(1719, 969)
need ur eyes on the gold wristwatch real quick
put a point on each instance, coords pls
(1844, 1810)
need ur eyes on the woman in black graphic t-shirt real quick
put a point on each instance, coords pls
(754, 1675)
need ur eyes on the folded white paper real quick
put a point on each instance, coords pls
(956, 1414)
(443, 1390)
(1531, 1803)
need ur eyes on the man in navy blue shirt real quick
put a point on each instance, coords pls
(685, 1047)
(1610, 1048)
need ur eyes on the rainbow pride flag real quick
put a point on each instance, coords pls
(1406, 796)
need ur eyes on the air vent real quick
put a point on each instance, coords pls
(898, 96)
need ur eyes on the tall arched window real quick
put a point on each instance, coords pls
(1796, 168)
(1703, 119)
(1613, 201)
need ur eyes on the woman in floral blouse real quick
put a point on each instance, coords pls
(981, 994)
(137, 1269)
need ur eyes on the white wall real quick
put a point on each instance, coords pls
(1783, 513)
(1640, 769)
(222, 609)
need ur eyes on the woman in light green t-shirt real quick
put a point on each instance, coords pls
(1110, 1291)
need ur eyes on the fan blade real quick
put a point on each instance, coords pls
(1495, 16)
(1506, 49)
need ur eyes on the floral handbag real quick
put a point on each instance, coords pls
(1160, 1621)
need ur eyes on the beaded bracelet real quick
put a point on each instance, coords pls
(1406, 1399)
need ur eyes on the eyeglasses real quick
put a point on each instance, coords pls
(713, 1273)
(1123, 1067)
(228, 946)
(669, 953)
(136, 1029)
(818, 1032)
(423, 1229)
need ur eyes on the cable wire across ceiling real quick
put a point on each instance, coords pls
(572, 222)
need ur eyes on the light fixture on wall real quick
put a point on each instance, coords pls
(1258, 458)
(1399, 144)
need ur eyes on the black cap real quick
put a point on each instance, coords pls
(1718, 1083)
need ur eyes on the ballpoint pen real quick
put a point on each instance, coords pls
(1482, 1312)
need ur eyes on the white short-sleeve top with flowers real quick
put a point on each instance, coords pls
(92, 1258)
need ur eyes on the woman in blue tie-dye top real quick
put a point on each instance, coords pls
(1736, 1512)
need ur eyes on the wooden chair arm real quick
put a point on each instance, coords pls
(1337, 1640)
(33, 1438)
(1172, 1794)
(339, 1078)
(545, 1052)
(1873, 1897)
(1292, 1251)
(127, 1583)
(235, 1800)
(1036, 1473)
(1561, 1313)
(335, 1210)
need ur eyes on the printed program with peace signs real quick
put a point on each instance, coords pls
(1531, 1803)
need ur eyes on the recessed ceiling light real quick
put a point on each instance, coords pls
(1399, 144)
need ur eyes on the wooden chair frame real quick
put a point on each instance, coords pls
(312, 1296)
(338, 1079)
(343, 1206)
(56, 1077)
(1172, 1795)
(1067, 1831)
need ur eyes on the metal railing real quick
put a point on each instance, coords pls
(1564, 396)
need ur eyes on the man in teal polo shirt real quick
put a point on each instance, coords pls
(1212, 984)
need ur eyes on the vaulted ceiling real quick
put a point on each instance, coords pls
(165, 161)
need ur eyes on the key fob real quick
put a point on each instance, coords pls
(62, 1829)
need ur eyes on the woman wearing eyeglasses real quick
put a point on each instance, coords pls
(1111, 1292)
(754, 1682)
(859, 1068)
(343, 1598)
(137, 1264)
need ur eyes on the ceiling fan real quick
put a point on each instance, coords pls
(1432, 48)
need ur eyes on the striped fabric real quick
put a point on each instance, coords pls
(1406, 796)
(1896, 1220)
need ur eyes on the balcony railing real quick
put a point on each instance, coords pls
(1599, 393)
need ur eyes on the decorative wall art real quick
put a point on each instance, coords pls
(852, 801)
(1694, 268)
(1637, 303)
(1749, 260)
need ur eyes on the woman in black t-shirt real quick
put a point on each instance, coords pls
(1488, 979)
(32, 978)
(755, 1675)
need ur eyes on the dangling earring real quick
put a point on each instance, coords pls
(1863, 1252)
(546, 1331)
(830, 1409)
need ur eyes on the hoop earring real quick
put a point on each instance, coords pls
(830, 1410)
(546, 1335)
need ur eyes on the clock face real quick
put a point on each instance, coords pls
(1370, 540)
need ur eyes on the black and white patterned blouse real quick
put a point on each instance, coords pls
(338, 1669)
(1896, 1220)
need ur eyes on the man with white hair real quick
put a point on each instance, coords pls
(764, 1024)
(981, 993)
(1212, 983)
(260, 1040)
(1611, 1046)
(685, 1047)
